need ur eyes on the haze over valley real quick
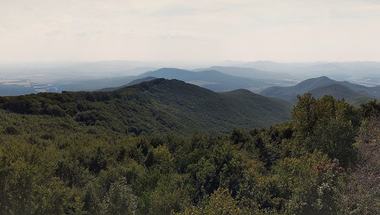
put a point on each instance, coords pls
(218, 107)
(357, 82)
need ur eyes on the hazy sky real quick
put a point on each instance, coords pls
(189, 30)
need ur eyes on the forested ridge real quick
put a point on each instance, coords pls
(157, 106)
(77, 153)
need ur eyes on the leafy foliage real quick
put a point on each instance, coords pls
(361, 195)
(77, 153)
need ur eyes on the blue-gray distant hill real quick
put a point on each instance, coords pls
(210, 79)
(369, 72)
(15, 90)
(322, 86)
(134, 82)
(247, 72)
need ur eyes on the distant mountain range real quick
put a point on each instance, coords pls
(324, 86)
(247, 72)
(363, 72)
(220, 82)
(210, 79)
(268, 78)
(254, 76)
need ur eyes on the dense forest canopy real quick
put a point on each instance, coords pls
(78, 153)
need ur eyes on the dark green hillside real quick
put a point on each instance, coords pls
(201, 108)
(156, 106)
(339, 92)
(253, 104)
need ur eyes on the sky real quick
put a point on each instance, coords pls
(189, 30)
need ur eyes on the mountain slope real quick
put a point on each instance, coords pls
(289, 93)
(202, 108)
(323, 86)
(157, 106)
(338, 91)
